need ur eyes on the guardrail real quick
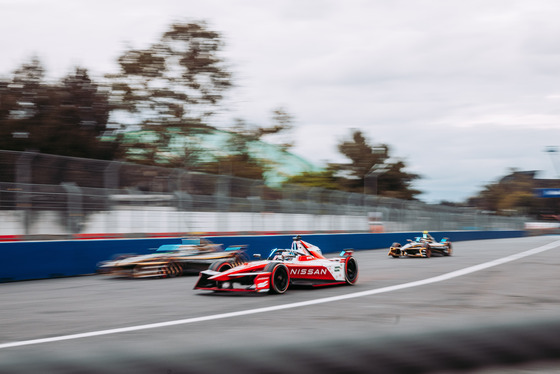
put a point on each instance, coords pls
(45, 196)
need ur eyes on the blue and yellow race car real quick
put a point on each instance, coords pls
(421, 246)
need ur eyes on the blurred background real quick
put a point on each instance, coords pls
(178, 118)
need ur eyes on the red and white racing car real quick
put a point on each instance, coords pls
(302, 264)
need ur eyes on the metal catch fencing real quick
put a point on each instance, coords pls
(51, 196)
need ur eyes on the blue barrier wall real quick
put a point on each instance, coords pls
(333, 243)
(51, 259)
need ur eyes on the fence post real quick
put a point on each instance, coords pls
(223, 198)
(111, 175)
(111, 183)
(74, 207)
(256, 202)
(313, 204)
(24, 180)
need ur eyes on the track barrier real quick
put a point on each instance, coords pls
(27, 260)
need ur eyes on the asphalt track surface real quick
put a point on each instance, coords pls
(494, 306)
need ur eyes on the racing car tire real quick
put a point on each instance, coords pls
(279, 277)
(351, 270)
(220, 266)
(428, 250)
(396, 245)
(449, 251)
(174, 270)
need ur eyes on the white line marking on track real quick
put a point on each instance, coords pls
(439, 278)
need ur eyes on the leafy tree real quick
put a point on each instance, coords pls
(373, 161)
(512, 194)
(367, 162)
(171, 87)
(322, 179)
(362, 155)
(396, 182)
(238, 160)
(237, 165)
(178, 78)
(169, 91)
(242, 163)
(65, 118)
(282, 122)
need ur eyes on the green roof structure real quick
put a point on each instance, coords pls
(211, 144)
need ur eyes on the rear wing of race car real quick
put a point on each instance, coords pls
(346, 252)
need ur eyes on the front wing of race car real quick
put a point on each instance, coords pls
(257, 281)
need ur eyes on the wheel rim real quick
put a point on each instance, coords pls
(280, 279)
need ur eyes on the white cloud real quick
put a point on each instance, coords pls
(463, 90)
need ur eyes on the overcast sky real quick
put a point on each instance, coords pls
(461, 90)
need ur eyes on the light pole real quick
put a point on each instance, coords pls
(553, 151)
